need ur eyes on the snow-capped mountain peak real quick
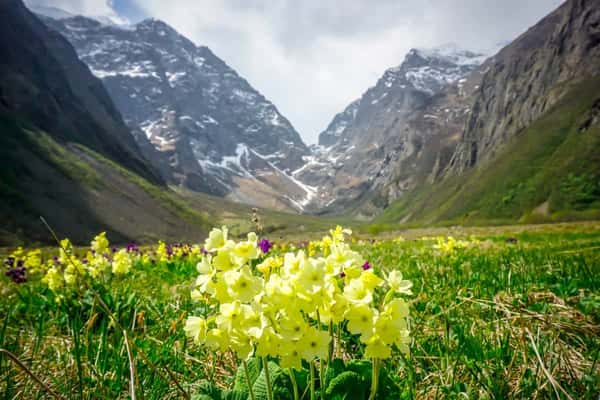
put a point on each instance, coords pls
(452, 54)
(359, 145)
(204, 126)
(428, 70)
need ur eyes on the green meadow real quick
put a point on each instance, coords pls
(496, 313)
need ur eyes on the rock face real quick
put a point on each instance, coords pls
(528, 77)
(401, 130)
(196, 119)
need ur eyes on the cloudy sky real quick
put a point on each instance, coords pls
(313, 57)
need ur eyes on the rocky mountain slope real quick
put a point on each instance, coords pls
(194, 117)
(529, 147)
(65, 152)
(428, 141)
(403, 129)
(530, 76)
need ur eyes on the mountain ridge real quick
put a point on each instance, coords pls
(530, 82)
(198, 121)
(362, 143)
(65, 152)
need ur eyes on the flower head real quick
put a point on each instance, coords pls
(17, 275)
(265, 245)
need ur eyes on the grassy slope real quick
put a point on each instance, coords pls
(550, 161)
(80, 193)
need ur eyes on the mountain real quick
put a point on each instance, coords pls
(529, 77)
(528, 149)
(201, 124)
(404, 128)
(453, 135)
(65, 152)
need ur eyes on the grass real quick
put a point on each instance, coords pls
(493, 320)
(554, 160)
(165, 196)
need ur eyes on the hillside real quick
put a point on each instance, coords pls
(529, 149)
(550, 171)
(66, 154)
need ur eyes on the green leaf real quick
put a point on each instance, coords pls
(334, 368)
(345, 386)
(203, 397)
(362, 368)
(254, 367)
(280, 382)
(234, 395)
(209, 390)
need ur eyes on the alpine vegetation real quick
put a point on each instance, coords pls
(303, 312)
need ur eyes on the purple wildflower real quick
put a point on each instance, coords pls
(265, 245)
(366, 266)
(133, 248)
(17, 275)
(15, 272)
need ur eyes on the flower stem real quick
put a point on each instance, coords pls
(374, 379)
(339, 341)
(330, 352)
(268, 379)
(321, 376)
(294, 384)
(312, 381)
(248, 379)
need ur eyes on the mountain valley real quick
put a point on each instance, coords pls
(139, 114)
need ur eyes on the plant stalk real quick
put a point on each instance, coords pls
(312, 381)
(338, 350)
(321, 376)
(374, 379)
(331, 344)
(250, 390)
(132, 375)
(294, 384)
(268, 378)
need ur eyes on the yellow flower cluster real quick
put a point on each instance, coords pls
(32, 260)
(449, 245)
(288, 306)
(166, 253)
(68, 270)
